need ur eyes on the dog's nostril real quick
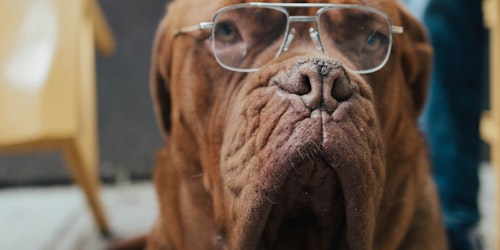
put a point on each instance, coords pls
(341, 89)
(306, 85)
(299, 84)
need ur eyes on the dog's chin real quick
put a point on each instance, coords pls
(309, 213)
(300, 207)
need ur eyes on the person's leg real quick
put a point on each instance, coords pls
(451, 118)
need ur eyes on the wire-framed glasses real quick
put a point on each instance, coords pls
(244, 37)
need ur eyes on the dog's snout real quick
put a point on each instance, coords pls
(320, 83)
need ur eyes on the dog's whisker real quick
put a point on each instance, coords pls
(197, 175)
(302, 157)
(209, 203)
(271, 201)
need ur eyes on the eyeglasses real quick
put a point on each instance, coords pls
(246, 36)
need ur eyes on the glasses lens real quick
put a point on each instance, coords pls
(240, 34)
(360, 38)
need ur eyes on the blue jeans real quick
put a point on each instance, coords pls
(451, 117)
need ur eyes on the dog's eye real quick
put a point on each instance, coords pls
(226, 33)
(375, 42)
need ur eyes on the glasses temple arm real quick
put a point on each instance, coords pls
(200, 26)
(397, 29)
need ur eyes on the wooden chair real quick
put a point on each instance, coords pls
(47, 84)
(490, 122)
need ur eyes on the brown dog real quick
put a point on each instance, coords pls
(316, 148)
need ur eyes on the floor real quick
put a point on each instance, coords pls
(488, 205)
(56, 218)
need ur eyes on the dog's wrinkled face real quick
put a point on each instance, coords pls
(300, 147)
(292, 156)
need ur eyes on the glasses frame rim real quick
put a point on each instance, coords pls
(282, 7)
(367, 8)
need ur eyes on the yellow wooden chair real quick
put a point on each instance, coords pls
(490, 122)
(47, 84)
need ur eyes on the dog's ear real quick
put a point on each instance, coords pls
(416, 58)
(160, 76)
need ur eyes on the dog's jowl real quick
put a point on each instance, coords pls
(292, 126)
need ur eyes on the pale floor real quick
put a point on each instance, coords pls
(56, 218)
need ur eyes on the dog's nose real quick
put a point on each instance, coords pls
(321, 83)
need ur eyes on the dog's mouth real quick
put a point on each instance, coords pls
(310, 213)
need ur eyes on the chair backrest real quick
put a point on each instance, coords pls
(39, 68)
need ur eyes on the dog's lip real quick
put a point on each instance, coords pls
(341, 111)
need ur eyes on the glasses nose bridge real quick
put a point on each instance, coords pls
(312, 32)
(302, 19)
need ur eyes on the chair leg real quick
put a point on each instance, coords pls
(86, 177)
(81, 151)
